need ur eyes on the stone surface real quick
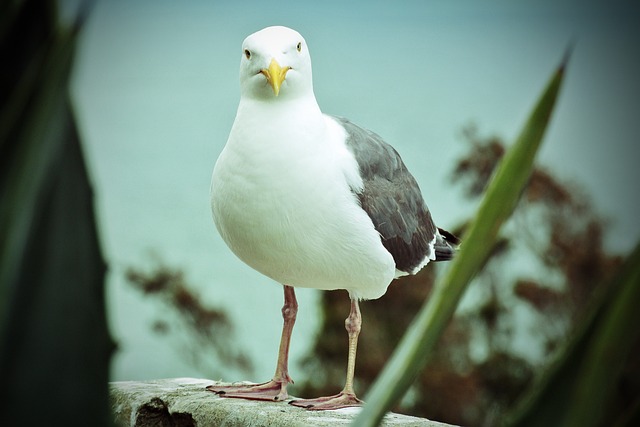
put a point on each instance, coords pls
(184, 402)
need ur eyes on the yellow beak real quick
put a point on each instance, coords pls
(275, 75)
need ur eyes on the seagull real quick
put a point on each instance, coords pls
(313, 201)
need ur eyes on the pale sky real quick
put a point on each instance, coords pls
(156, 88)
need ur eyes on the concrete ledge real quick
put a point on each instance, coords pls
(184, 402)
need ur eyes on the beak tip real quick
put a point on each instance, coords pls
(275, 75)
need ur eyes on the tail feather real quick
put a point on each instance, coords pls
(446, 245)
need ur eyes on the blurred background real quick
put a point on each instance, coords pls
(155, 88)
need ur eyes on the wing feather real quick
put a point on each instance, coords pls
(392, 199)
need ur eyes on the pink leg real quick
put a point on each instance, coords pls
(347, 396)
(276, 389)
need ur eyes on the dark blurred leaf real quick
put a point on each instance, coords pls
(55, 347)
(577, 388)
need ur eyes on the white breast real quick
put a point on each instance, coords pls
(282, 201)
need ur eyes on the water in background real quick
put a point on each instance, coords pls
(156, 90)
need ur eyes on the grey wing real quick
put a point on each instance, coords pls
(392, 199)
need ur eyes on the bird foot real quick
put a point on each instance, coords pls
(274, 391)
(340, 400)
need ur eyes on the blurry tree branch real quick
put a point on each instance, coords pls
(202, 331)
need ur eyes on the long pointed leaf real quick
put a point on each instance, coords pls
(500, 199)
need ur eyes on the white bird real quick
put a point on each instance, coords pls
(313, 201)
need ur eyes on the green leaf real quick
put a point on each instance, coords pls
(576, 388)
(54, 342)
(497, 205)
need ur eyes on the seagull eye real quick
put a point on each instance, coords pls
(299, 47)
(247, 53)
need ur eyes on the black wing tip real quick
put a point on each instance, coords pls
(449, 237)
(447, 247)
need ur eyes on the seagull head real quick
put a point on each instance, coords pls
(275, 64)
